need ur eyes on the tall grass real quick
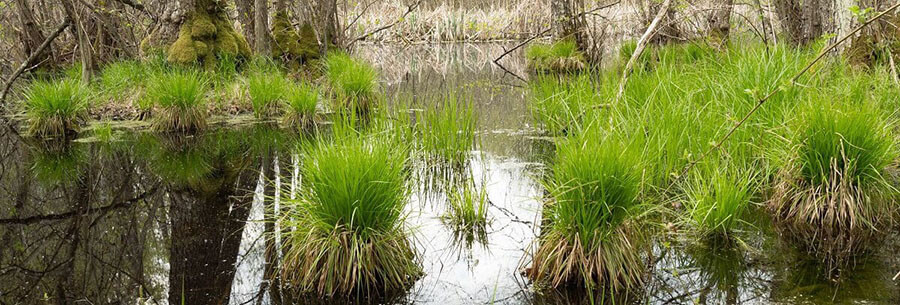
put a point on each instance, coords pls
(56, 108)
(560, 104)
(448, 130)
(718, 197)
(592, 237)
(467, 214)
(349, 234)
(353, 80)
(300, 106)
(831, 190)
(559, 56)
(179, 99)
(267, 92)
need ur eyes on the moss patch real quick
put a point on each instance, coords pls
(205, 36)
(293, 46)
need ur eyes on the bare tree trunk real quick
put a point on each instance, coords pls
(173, 16)
(84, 43)
(261, 26)
(31, 35)
(791, 21)
(719, 20)
(331, 29)
(245, 15)
(668, 29)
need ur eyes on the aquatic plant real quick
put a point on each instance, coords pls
(448, 130)
(560, 104)
(348, 234)
(353, 80)
(55, 108)
(467, 212)
(559, 56)
(717, 198)
(831, 191)
(179, 97)
(300, 106)
(267, 91)
(592, 238)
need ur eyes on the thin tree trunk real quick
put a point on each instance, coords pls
(31, 35)
(719, 20)
(331, 35)
(261, 26)
(246, 16)
(84, 43)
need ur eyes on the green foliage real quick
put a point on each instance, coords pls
(718, 198)
(349, 220)
(467, 215)
(560, 104)
(448, 130)
(55, 108)
(592, 239)
(353, 80)
(560, 56)
(300, 104)
(267, 92)
(117, 77)
(179, 98)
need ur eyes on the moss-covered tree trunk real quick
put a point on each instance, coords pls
(205, 33)
(293, 46)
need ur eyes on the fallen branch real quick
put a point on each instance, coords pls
(32, 58)
(641, 45)
(768, 96)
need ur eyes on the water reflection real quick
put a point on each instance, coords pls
(151, 219)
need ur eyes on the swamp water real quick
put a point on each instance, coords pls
(147, 219)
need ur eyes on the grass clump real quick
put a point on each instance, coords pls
(718, 199)
(353, 80)
(831, 191)
(56, 108)
(267, 91)
(592, 239)
(448, 131)
(348, 231)
(467, 215)
(559, 56)
(300, 103)
(178, 96)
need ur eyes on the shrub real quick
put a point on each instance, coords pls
(300, 104)
(56, 108)
(267, 91)
(592, 239)
(179, 98)
(348, 231)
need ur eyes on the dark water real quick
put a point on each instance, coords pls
(154, 220)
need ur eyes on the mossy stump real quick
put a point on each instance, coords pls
(295, 47)
(205, 34)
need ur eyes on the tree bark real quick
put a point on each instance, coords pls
(173, 16)
(719, 20)
(31, 35)
(791, 21)
(84, 44)
(261, 26)
(245, 16)
(331, 33)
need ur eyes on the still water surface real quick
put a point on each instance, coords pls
(155, 220)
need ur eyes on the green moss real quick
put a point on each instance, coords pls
(292, 45)
(204, 37)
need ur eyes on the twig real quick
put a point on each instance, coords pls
(893, 67)
(32, 58)
(642, 43)
(763, 100)
(409, 10)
